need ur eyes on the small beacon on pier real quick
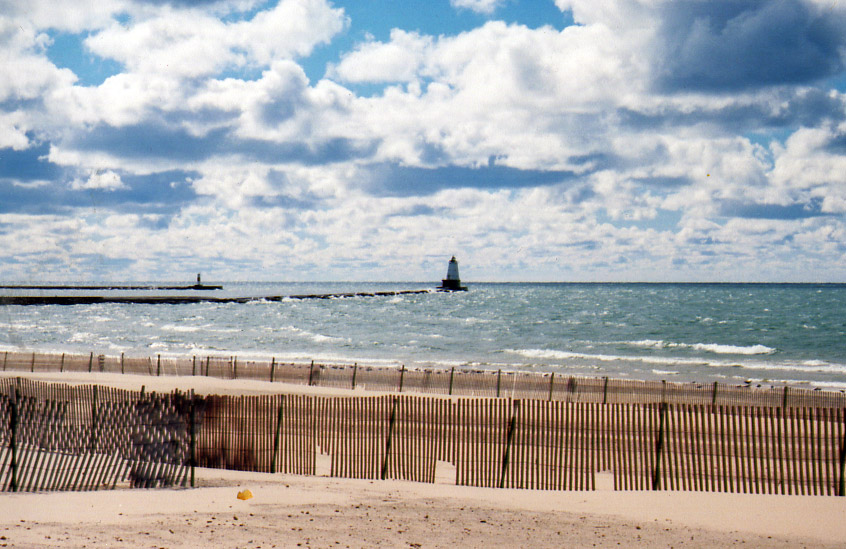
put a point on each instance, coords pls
(452, 283)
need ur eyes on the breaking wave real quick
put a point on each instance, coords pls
(715, 348)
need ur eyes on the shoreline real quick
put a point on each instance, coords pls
(744, 374)
(202, 385)
(398, 378)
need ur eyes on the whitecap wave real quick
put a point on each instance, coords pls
(224, 330)
(551, 354)
(648, 343)
(476, 320)
(20, 326)
(317, 338)
(180, 328)
(820, 368)
(731, 349)
(715, 348)
(838, 385)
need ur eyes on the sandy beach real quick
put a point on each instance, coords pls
(296, 511)
(292, 511)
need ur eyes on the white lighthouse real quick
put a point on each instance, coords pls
(452, 282)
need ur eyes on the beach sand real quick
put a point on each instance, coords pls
(298, 511)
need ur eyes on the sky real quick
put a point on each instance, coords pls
(287, 140)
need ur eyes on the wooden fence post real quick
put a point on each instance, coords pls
(61, 364)
(506, 456)
(90, 361)
(498, 381)
(551, 383)
(5, 358)
(158, 365)
(278, 434)
(193, 364)
(572, 384)
(192, 425)
(402, 377)
(235, 367)
(841, 489)
(784, 400)
(388, 442)
(311, 373)
(714, 395)
(13, 443)
(272, 367)
(122, 368)
(208, 360)
(94, 435)
(355, 372)
(605, 391)
(451, 376)
(32, 364)
(659, 449)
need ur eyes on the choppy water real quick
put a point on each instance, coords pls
(687, 332)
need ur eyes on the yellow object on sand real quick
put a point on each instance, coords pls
(245, 494)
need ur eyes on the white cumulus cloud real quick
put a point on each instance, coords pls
(479, 6)
(99, 179)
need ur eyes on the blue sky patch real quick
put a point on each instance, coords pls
(408, 181)
(28, 165)
(68, 51)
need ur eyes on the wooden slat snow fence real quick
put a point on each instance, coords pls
(58, 437)
(535, 444)
(62, 437)
(449, 382)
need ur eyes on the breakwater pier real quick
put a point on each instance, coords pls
(107, 288)
(179, 299)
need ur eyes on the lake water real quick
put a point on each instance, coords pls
(766, 333)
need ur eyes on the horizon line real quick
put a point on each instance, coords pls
(77, 282)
